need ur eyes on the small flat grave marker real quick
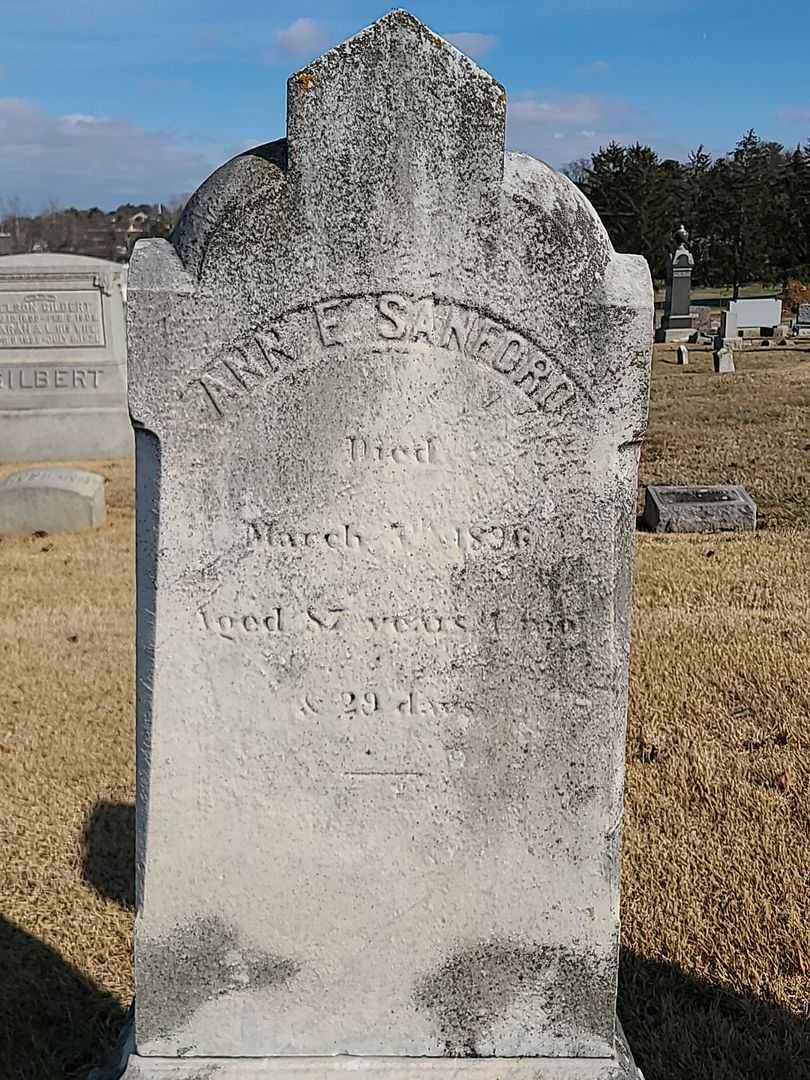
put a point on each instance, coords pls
(54, 500)
(699, 509)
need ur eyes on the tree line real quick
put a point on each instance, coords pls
(101, 233)
(748, 213)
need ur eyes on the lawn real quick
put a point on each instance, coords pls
(716, 962)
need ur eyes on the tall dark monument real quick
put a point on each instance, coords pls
(678, 324)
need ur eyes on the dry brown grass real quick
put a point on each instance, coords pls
(716, 966)
(66, 737)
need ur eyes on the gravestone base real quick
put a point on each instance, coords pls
(619, 1067)
(65, 435)
(676, 328)
(127, 1065)
(675, 334)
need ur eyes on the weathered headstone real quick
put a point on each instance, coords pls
(386, 493)
(54, 500)
(724, 359)
(5, 243)
(62, 359)
(728, 327)
(678, 323)
(723, 508)
(683, 355)
(703, 318)
(802, 324)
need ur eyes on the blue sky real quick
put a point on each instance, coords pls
(103, 103)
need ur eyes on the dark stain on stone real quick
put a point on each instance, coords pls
(196, 964)
(479, 985)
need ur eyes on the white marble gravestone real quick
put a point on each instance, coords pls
(391, 385)
(62, 359)
(54, 500)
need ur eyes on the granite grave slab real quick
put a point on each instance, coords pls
(723, 508)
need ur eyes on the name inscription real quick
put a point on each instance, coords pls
(51, 320)
(31, 378)
(386, 321)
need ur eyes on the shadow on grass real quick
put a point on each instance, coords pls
(55, 1024)
(680, 1028)
(109, 852)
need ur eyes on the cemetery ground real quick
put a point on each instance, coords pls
(716, 934)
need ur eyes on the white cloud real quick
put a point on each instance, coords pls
(303, 38)
(472, 43)
(560, 129)
(84, 160)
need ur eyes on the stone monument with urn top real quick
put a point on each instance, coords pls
(678, 324)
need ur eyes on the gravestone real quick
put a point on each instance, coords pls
(386, 477)
(703, 318)
(728, 329)
(723, 359)
(53, 500)
(802, 325)
(678, 323)
(62, 359)
(683, 355)
(723, 508)
(756, 315)
(5, 243)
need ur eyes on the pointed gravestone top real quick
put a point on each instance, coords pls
(392, 384)
(436, 127)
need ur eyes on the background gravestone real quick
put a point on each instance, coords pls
(54, 500)
(62, 359)
(678, 323)
(722, 508)
(755, 315)
(386, 481)
(723, 358)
